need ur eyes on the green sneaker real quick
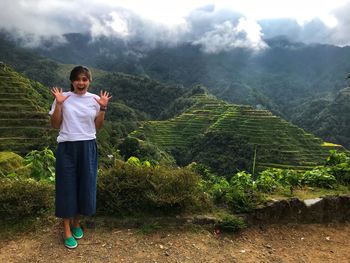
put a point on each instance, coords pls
(70, 242)
(77, 232)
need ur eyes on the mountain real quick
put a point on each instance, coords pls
(24, 105)
(225, 137)
(29, 62)
(282, 79)
(278, 77)
(328, 118)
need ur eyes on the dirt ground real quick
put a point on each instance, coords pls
(274, 243)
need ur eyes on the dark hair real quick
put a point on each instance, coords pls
(74, 74)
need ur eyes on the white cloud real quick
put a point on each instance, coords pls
(170, 22)
(227, 36)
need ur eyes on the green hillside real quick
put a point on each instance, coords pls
(328, 119)
(24, 104)
(279, 143)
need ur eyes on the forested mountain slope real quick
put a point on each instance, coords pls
(277, 78)
(327, 118)
(28, 62)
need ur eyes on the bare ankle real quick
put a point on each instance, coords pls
(66, 227)
(76, 221)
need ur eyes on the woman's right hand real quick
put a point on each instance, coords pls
(58, 93)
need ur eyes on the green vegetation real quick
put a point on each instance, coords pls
(327, 118)
(131, 187)
(224, 136)
(296, 81)
(338, 164)
(242, 193)
(42, 164)
(21, 198)
(29, 63)
(230, 223)
(144, 97)
(138, 188)
(24, 106)
(9, 162)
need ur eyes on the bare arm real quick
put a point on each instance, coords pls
(99, 120)
(103, 102)
(56, 117)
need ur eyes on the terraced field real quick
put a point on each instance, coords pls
(279, 144)
(24, 122)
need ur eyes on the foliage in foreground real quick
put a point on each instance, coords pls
(135, 186)
(42, 164)
(131, 187)
(241, 192)
(20, 198)
(230, 223)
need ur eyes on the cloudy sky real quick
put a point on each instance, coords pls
(215, 25)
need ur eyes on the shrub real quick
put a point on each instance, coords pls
(242, 196)
(319, 177)
(127, 188)
(291, 178)
(42, 164)
(9, 162)
(336, 158)
(137, 162)
(230, 223)
(242, 180)
(121, 190)
(338, 165)
(240, 201)
(268, 180)
(174, 188)
(218, 189)
(24, 198)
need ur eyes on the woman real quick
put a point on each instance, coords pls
(78, 114)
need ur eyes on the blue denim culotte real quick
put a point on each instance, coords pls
(76, 176)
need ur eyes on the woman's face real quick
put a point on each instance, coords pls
(81, 84)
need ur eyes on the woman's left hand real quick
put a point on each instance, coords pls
(104, 98)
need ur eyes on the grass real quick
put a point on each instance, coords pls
(309, 193)
(149, 228)
(25, 226)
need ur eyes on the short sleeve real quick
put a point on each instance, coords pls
(97, 106)
(53, 106)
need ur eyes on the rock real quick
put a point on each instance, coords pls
(310, 202)
(318, 210)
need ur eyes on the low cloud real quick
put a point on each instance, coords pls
(215, 30)
(340, 35)
(227, 36)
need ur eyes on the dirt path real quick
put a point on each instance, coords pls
(293, 243)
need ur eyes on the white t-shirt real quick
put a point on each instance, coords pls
(78, 117)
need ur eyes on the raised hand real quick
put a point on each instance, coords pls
(58, 93)
(104, 98)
